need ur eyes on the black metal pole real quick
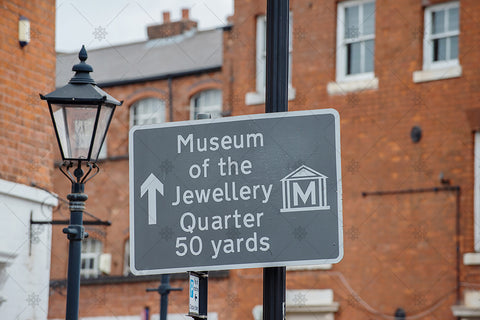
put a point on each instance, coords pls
(67, 222)
(146, 313)
(203, 276)
(170, 99)
(164, 290)
(276, 84)
(203, 293)
(164, 296)
(274, 293)
(75, 233)
(276, 100)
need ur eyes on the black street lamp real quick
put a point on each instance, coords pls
(81, 113)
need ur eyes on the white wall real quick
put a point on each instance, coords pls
(24, 251)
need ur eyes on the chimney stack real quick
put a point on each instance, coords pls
(166, 16)
(171, 28)
(185, 14)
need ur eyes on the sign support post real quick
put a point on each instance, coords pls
(276, 100)
(198, 287)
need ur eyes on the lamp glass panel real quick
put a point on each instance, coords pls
(106, 113)
(74, 124)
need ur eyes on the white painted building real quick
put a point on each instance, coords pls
(24, 251)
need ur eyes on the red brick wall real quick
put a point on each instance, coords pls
(26, 134)
(400, 249)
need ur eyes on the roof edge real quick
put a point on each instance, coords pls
(158, 77)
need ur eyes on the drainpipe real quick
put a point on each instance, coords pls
(170, 99)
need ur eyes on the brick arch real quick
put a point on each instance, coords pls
(145, 93)
(210, 84)
(206, 84)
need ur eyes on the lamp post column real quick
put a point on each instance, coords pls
(80, 112)
(75, 233)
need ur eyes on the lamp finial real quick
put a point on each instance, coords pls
(82, 69)
(82, 55)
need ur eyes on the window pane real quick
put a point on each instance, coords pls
(208, 101)
(369, 18)
(453, 19)
(148, 111)
(351, 22)
(439, 49)
(91, 250)
(369, 55)
(438, 22)
(353, 58)
(453, 47)
(211, 98)
(126, 262)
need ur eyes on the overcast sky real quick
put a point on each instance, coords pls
(101, 23)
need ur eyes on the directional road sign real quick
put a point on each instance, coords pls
(238, 192)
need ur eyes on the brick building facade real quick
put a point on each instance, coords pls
(170, 77)
(26, 160)
(402, 75)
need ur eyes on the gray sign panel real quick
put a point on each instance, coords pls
(239, 192)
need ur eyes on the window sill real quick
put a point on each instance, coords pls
(437, 74)
(339, 88)
(465, 312)
(312, 267)
(470, 308)
(306, 303)
(253, 98)
(471, 259)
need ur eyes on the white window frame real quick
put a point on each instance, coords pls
(341, 65)
(437, 70)
(261, 54)
(476, 193)
(258, 96)
(473, 258)
(126, 258)
(215, 110)
(160, 117)
(91, 250)
(428, 62)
